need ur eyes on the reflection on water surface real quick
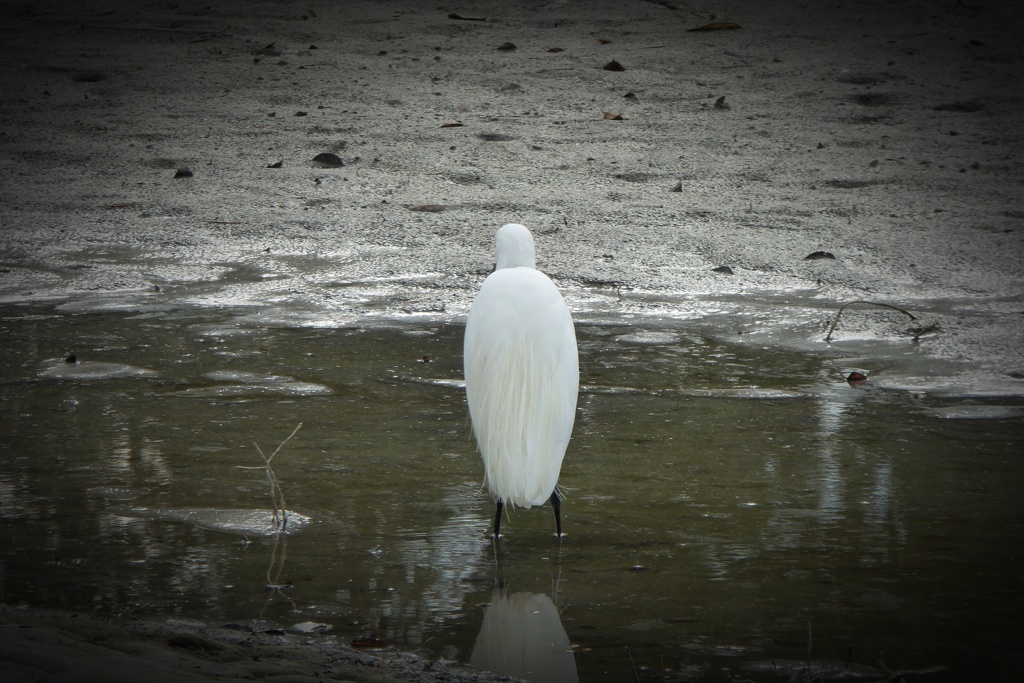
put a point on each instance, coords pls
(727, 505)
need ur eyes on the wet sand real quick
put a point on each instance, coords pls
(165, 155)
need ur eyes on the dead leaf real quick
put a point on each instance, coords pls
(556, 49)
(603, 41)
(608, 116)
(717, 26)
(310, 627)
(276, 164)
(452, 125)
(430, 208)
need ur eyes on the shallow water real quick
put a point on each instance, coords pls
(730, 509)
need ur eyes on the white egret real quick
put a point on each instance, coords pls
(522, 377)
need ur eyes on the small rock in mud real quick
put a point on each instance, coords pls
(328, 160)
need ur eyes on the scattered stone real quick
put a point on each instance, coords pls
(195, 642)
(961, 107)
(328, 160)
(852, 183)
(716, 26)
(495, 137)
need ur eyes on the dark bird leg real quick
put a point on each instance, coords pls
(556, 503)
(497, 519)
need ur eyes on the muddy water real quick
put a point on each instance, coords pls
(731, 509)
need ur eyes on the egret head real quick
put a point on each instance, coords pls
(514, 247)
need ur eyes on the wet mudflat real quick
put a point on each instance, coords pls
(730, 508)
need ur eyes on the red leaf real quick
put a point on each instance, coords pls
(369, 643)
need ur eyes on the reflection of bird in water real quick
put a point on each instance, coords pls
(522, 636)
(522, 377)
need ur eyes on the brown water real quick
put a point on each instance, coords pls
(728, 506)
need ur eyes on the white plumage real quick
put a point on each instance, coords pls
(522, 376)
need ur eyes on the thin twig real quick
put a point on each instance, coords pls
(276, 495)
(280, 515)
(810, 642)
(274, 579)
(294, 432)
(839, 314)
(636, 676)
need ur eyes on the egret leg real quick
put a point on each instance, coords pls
(497, 518)
(556, 503)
